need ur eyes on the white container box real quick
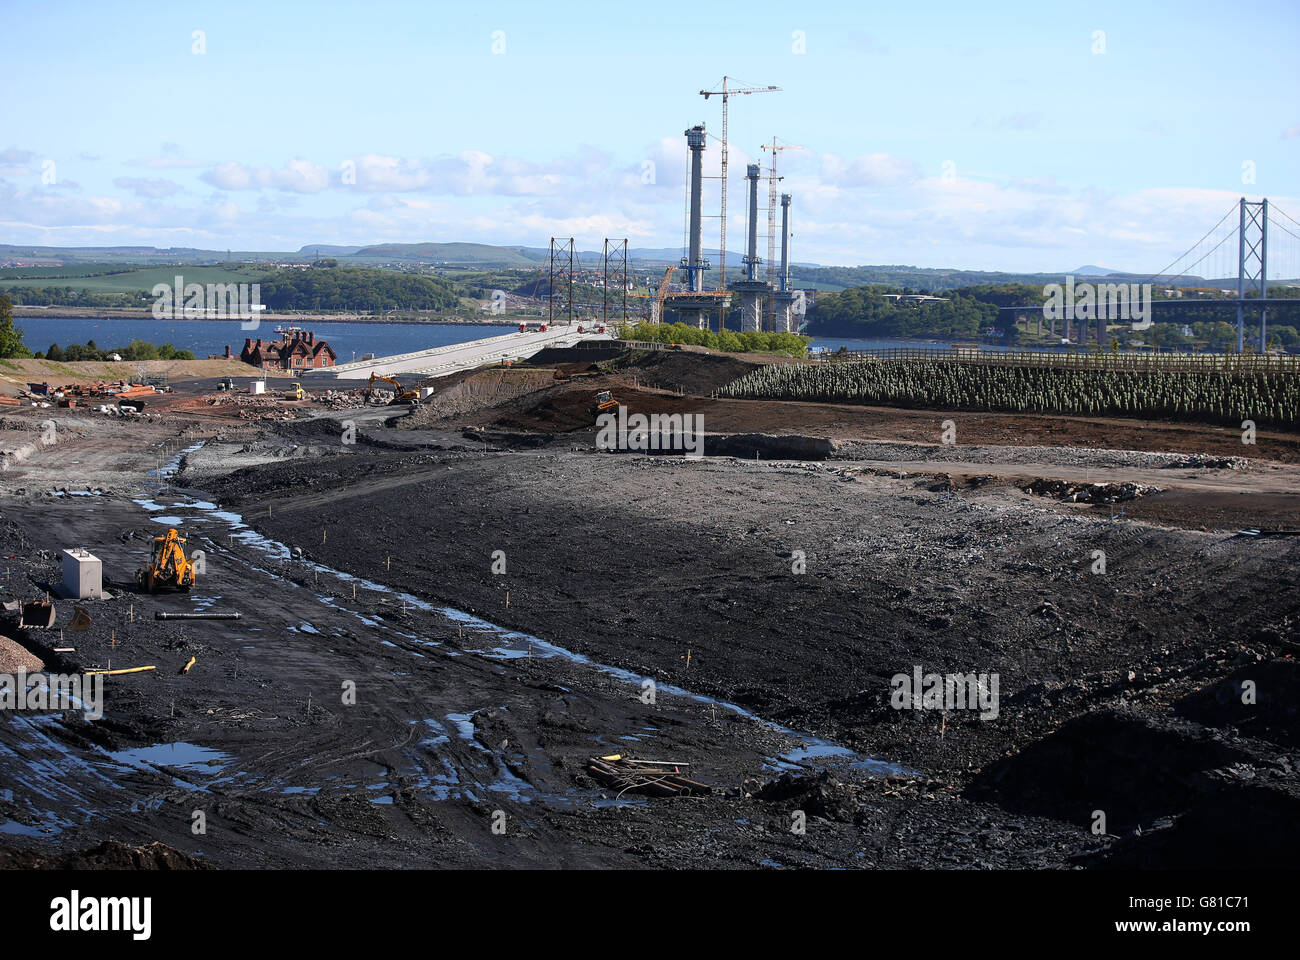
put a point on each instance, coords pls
(83, 575)
(257, 386)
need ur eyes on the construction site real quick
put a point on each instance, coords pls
(435, 624)
(433, 610)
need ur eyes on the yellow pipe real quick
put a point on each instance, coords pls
(113, 673)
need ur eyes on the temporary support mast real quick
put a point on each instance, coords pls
(614, 266)
(561, 267)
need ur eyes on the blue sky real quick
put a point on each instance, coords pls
(1035, 136)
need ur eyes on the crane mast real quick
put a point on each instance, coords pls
(727, 92)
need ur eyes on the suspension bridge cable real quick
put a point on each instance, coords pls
(1190, 249)
(1226, 238)
(1272, 209)
(1286, 231)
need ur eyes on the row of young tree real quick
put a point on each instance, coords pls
(728, 341)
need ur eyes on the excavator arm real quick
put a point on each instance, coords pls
(400, 393)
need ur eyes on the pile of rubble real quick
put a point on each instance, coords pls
(253, 407)
(1206, 461)
(341, 399)
(1089, 492)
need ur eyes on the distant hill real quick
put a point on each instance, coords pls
(1093, 271)
(458, 253)
(327, 250)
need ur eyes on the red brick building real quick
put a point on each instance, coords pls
(296, 350)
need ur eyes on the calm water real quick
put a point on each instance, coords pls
(204, 337)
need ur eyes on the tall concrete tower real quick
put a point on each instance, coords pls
(695, 263)
(695, 304)
(783, 299)
(753, 291)
(784, 280)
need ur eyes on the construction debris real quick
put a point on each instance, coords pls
(656, 778)
(1089, 492)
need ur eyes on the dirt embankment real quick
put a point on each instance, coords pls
(16, 374)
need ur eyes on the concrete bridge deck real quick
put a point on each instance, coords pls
(438, 361)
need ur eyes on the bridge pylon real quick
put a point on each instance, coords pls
(1252, 265)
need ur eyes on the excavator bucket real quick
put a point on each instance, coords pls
(80, 618)
(37, 613)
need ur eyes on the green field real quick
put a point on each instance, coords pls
(143, 279)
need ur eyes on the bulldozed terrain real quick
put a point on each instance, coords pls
(446, 612)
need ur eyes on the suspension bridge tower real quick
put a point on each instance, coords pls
(1252, 266)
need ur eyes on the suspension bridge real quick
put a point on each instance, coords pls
(1235, 246)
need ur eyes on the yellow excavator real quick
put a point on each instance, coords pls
(168, 570)
(400, 393)
(605, 403)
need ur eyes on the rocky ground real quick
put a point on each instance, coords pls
(441, 624)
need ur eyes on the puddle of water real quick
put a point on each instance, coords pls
(464, 723)
(180, 756)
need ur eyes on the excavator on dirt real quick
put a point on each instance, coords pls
(168, 569)
(605, 403)
(400, 393)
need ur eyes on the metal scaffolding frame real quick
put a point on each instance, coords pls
(561, 259)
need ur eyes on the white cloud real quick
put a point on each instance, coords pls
(153, 188)
(296, 176)
(867, 170)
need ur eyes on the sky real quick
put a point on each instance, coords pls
(993, 136)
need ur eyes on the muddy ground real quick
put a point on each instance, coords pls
(771, 603)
